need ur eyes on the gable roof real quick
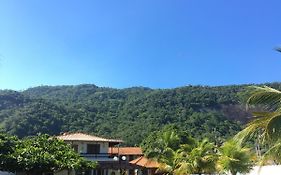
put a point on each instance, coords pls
(145, 162)
(78, 136)
(125, 150)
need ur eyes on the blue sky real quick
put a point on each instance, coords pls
(152, 43)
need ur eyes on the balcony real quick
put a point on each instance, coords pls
(98, 157)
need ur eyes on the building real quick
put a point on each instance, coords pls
(95, 149)
(112, 159)
(145, 166)
(127, 154)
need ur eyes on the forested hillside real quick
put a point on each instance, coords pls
(130, 114)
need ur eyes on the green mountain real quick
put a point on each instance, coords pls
(130, 114)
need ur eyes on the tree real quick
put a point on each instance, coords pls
(117, 112)
(200, 159)
(36, 155)
(234, 159)
(168, 162)
(266, 125)
(7, 147)
(178, 153)
(169, 138)
(197, 158)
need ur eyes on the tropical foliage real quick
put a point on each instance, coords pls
(192, 156)
(205, 111)
(185, 156)
(266, 126)
(7, 148)
(199, 159)
(234, 158)
(162, 143)
(267, 119)
(38, 155)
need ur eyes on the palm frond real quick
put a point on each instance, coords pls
(251, 130)
(183, 168)
(278, 49)
(273, 127)
(266, 96)
(234, 157)
(165, 168)
(272, 154)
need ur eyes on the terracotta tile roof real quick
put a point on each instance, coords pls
(145, 162)
(78, 136)
(125, 150)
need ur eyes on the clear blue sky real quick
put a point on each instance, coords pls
(152, 43)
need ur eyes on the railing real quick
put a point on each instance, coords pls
(105, 157)
(99, 155)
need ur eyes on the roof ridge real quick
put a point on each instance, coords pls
(73, 134)
(137, 160)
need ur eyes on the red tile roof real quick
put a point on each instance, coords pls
(125, 150)
(145, 162)
(78, 136)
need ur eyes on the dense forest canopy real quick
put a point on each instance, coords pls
(130, 114)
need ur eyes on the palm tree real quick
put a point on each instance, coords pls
(169, 163)
(234, 159)
(199, 158)
(202, 158)
(170, 139)
(266, 125)
(162, 146)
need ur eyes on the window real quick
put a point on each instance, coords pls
(75, 147)
(93, 148)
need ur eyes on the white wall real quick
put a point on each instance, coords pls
(82, 146)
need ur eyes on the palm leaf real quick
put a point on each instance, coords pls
(234, 157)
(266, 96)
(183, 168)
(272, 154)
(278, 49)
(251, 130)
(273, 127)
(266, 125)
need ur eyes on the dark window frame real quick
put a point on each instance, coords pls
(93, 148)
(75, 147)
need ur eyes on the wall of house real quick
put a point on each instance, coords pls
(65, 172)
(82, 149)
(82, 146)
